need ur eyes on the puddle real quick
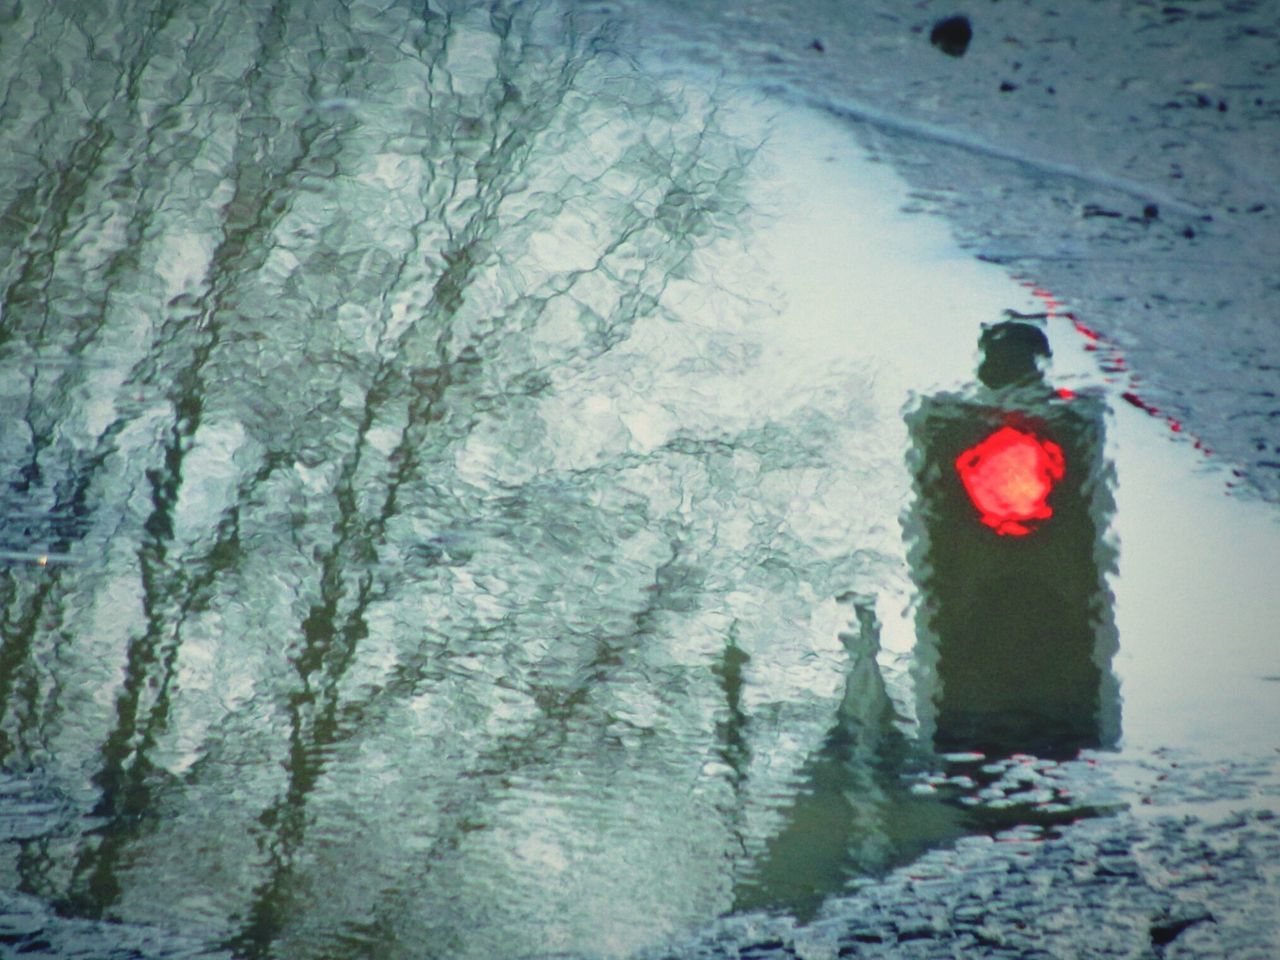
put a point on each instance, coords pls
(1191, 599)
(1196, 602)
(555, 591)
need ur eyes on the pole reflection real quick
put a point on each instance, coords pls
(1015, 625)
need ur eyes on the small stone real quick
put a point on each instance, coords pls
(951, 35)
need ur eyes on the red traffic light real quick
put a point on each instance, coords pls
(1009, 477)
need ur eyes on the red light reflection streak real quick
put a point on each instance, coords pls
(1112, 362)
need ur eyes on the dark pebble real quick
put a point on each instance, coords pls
(867, 938)
(766, 949)
(1093, 210)
(952, 35)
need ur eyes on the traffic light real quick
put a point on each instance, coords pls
(1009, 552)
(1007, 541)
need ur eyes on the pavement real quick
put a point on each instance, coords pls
(1165, 879)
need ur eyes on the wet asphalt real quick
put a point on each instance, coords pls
(1156, 881)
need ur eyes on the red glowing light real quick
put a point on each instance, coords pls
(1009, 476)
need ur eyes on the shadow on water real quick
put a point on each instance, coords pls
(1010, 551)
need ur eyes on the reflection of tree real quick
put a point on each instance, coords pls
(336, 626)
(173, 588)
(353, 336)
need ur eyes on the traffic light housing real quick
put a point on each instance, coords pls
(1009, 549)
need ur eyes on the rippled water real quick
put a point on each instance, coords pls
(451, 474)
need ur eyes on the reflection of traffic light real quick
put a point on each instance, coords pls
(1009, 552)
(1015, 640)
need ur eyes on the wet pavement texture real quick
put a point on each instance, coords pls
(1152, 888)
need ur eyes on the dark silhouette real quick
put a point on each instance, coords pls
(1008, 549)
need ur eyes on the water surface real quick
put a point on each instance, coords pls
(452, 478)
